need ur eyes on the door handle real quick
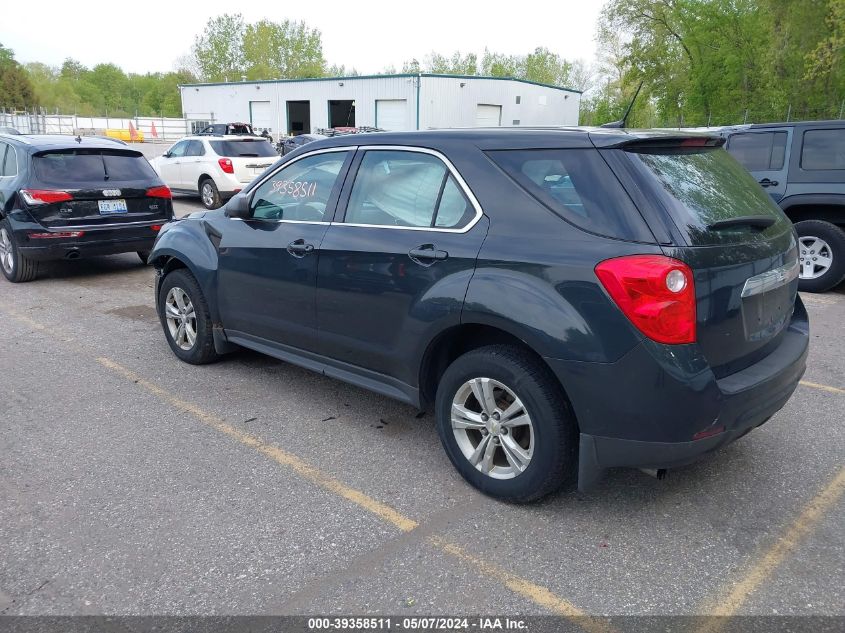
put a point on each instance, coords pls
(426, 255)
(769, 183)
(298, 248)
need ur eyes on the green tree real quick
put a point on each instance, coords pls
(289, 50)
(16, 90)
(455, 64)
(218, 51)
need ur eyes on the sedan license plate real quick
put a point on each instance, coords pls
(110, 207)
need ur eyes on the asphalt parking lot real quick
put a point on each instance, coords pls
(131, 483)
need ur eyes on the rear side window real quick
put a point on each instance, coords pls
(823, 149)
(236, 149)
(705, 186)
(407, 189)
(577, 185)
(67, 168)
(759, 151)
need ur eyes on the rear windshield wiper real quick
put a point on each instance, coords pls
(759, 222)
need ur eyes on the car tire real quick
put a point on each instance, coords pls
(549, 440)
(209, 194)
(144, 256)
(190, 337)
(819, 239)
(16, 267)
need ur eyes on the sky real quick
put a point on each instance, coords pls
(368, 35)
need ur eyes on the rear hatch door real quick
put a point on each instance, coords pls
(88, 186)
(250, 157)
(739, 244)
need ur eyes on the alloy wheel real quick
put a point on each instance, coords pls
(207, 194)
(181, 318)
(816, 257)
(7, 252)
(492, 428)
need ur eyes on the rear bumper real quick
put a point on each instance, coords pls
(655, 403)
(95, 241)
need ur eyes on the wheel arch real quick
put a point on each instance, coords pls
(459, 339)
(824, 207)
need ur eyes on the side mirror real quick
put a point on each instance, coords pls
(166, 155)
(238, 207)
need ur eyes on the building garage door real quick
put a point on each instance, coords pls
(260, 115)
(392, 114)
(487, 115)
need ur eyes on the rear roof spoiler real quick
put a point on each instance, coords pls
(671, 142)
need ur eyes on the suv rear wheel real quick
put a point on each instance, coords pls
(506, 425)
(209, 194)
(821, 254)
(16, 268)
(186, 319)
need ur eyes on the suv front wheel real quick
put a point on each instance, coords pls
(506, 425)
(185, 317)
(821, 254)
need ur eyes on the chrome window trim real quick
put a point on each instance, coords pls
(316, 152)
(770, 279)
(452, 170)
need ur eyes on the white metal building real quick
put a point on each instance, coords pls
(391, 102)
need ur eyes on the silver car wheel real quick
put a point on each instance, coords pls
(815, 255)
(181, 318)
(207, 194)
(492, 428)
(7, 252)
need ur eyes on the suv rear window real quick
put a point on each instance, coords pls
(823, 149)
(69, 167)
(704, 186)
(578, 186)
(235, 149)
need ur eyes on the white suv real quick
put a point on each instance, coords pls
(214, 167)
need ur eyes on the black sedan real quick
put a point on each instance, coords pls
(64, 198)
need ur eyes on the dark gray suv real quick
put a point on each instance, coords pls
(564, 301)
(802, 167)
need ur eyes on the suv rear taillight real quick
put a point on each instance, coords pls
(44, 196)
(656, 293)
(159, 192)
(226, 165)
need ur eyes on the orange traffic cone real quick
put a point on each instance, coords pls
(153, 131)
(133, 133)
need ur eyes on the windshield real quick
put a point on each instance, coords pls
(235, 149)
(706, 186)
(74, 167)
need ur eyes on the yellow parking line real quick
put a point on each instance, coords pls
(541, 596)
(730, 602)
(815, 385)
(535, 593)
(303, 469)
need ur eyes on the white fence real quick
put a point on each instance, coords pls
(153, 128)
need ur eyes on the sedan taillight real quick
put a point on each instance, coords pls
(159, 192)
(44, 196)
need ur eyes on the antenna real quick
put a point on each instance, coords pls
(621, 122)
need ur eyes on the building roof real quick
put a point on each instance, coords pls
(391, 76)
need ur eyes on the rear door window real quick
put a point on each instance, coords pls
(77, 167)
(195, 148)
(703, 186)
(759, 151)
(237, 149)
(823, 149)
(406, 189)
(577, 185)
